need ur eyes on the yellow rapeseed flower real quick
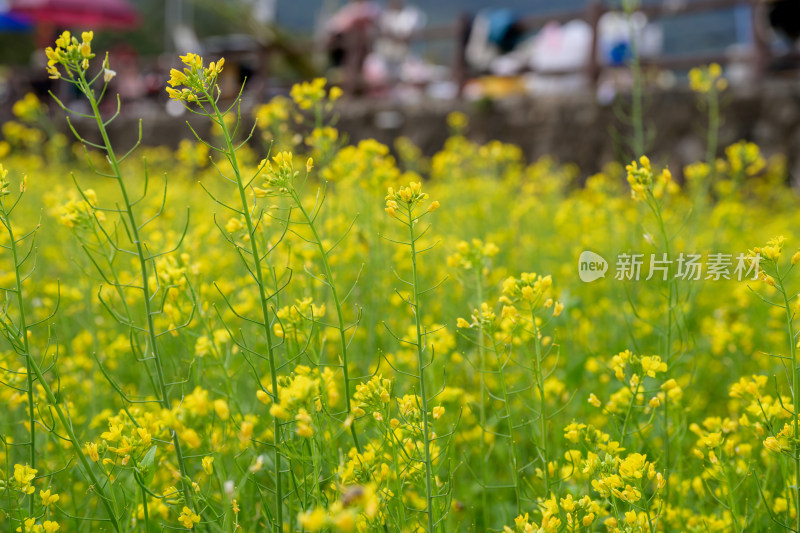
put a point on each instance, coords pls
(313, 520)
(48, 498)
(188, 518)
(24, 475)
(208, 465)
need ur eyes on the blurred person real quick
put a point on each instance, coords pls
(357, 18)
(493, 33)
(560, 48)
(614, 38)
(396, 25)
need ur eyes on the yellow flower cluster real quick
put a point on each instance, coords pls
(308, 94)
(472, 255)
(745, 157)
(23, 476)
(125, 440)
(627, 478)
(299, 395)
(295, 319)
(29, 109)
(407, 199)
(707, 78)
(767, 260)
(372, 397)
(197, 80)
(71, 54)
(275, 112)
(29, 525)
(484, 317)
(532, 290)
(192, 153)
(4, 184)
(78, 212)
(587, 434)
(556, 513)
(358, 506)
(368, 164)
(279, 174)
(645, 183)
(188, 518)
(458, 121)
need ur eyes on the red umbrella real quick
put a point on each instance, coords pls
(88, 14)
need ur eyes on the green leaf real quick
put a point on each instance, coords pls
(146, 465)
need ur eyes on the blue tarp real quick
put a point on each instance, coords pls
(13, 23)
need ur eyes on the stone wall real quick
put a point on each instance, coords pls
(576, 129)
(572, 128)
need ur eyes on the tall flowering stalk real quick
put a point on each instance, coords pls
(18, 329)
(474, 258)
(767, 260)
(484, 320)
(406, 206)
(531, 291)
(196, 87)
(70, 61)
(281, 181)
(637, 88)
(708, 83)
(650, 188)
(314, 98)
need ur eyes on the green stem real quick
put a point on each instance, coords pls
(145, 510)
(143, 258)
(337, 303)
(482, 408)
(667, 352)
(398, 481)
(712, 140)
(543, 409)
(263, 299)
(430, 511)
(713, 130)
(23, 329)
(510, 425)
(66, 422)
(33, 366)
(637, 89)
(795, 396)
(731, 496)
(628, 413)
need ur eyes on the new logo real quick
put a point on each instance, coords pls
(591, 266)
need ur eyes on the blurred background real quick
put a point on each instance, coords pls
(538, 73)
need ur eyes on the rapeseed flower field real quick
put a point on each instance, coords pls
(348, 337)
